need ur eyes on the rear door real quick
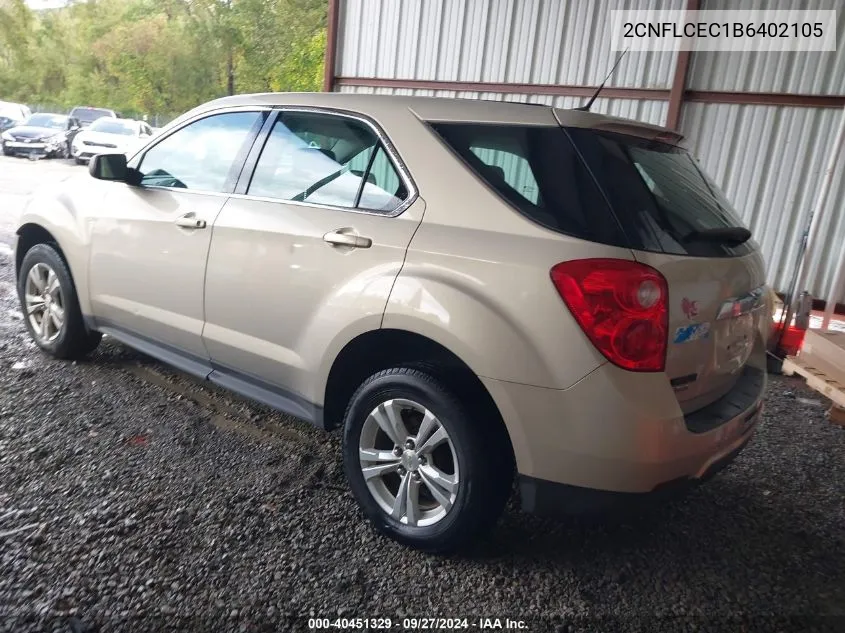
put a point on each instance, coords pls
(307, 250)
(675, 219)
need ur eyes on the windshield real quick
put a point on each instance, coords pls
(89, 114)
(113, 126)
(52, 121)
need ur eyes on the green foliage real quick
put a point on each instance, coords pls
(159, 56)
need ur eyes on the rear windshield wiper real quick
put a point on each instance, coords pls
(731, 235)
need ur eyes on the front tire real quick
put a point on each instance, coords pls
(50, 305)
(425, 471)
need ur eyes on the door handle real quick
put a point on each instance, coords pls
(190, 221)
(344, 237)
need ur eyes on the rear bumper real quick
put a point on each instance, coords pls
(549, 498)
(618, 432)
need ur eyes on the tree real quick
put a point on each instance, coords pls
(158, 56)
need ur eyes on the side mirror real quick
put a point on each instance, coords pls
(108, 167)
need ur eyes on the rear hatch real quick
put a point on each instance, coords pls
(678, 222)
(625, 184)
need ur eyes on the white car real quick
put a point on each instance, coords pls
(109, 136)
(12, 114)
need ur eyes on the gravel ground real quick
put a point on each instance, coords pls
(134, 499)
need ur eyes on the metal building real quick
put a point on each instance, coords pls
(760, 123)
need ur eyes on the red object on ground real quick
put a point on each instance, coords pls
(791, 341)
(138, 440)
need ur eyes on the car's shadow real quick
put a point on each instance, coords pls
(727, 536)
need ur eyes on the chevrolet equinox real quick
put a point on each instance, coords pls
(472, 290)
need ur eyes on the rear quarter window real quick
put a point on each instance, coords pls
(537, 170)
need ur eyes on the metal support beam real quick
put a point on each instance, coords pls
(557, 90)
(679, 82)
(331, 46)
(610, 92)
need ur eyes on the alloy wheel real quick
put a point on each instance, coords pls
(44, 302)
(409, 462)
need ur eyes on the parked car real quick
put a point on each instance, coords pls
(12, 114)
(469, 289)
(87, 115)
(107, 135)
(41, 135)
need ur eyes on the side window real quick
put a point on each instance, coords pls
(508, 164)
(326, 159)
(383, 189)
(200, 156)
(537, 170)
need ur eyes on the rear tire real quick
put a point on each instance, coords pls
(46, 291)
(453, 493)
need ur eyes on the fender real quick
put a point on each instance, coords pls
(501, 340)
(59, 213)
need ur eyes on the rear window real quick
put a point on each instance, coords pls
(537, 170)
(659, 194)
(604, 187)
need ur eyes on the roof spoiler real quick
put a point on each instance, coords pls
(655, 133)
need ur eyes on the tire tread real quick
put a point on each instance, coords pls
(77, 341)
(493, 472)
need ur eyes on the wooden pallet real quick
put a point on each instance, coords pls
(821, 363)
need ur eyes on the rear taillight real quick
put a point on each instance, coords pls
(621, 306)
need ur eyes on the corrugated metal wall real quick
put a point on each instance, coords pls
(804, 73)
(768, 159)
(516, 41)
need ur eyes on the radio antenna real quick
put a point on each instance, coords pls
(588, 105)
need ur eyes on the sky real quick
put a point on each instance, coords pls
(46, 4)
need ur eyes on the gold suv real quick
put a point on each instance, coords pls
(470, 289)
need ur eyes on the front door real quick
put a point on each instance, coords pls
(150, 242)
(308, 255)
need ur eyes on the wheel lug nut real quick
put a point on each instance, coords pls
(397, 451)
(402, 472)
(409, 444)
(423, 460)
(416, 476)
